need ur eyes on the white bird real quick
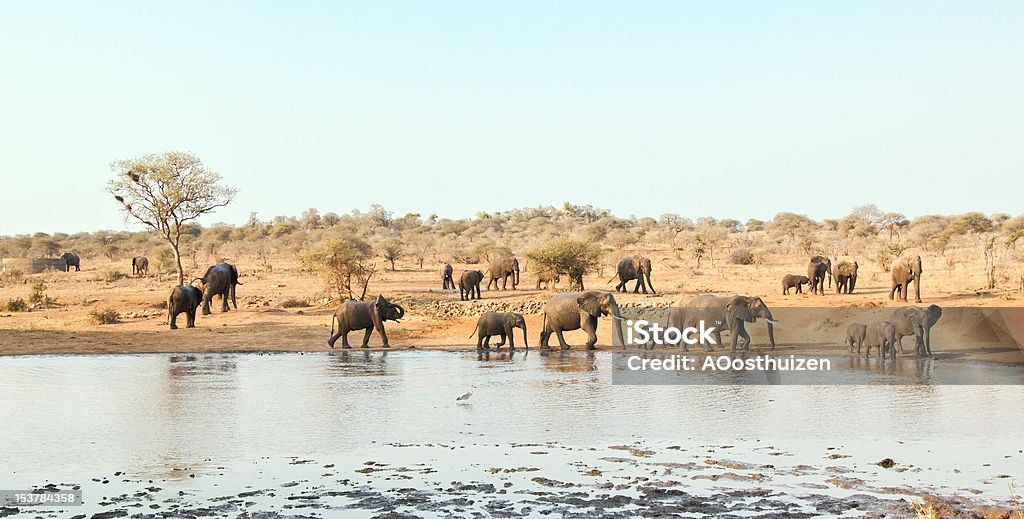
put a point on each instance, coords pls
(465, 396)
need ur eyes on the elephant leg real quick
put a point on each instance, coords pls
(899, 340)
(487, 342)
(545, 334)
(343, 333)
(174, 320)
(206, 304)
(224, 301)
(502, 341)
(477, 288)
(561, 339)
(366, 338)
(191, 321)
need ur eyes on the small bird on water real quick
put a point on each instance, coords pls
(464, 398)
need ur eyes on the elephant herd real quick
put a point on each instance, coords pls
(886, 335)
(903, 272)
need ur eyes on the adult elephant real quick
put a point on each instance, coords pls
(823, 260)
(219, 280)
(503, 269)
(447, 281)
(570, 311)
(846, 277)
(906, 270)
(634, 267)
(364, 315)
(140, 266)
(724, 313)
(70, 259)
(184, 299)
(469, 285)
(817, 272)
(916, 321)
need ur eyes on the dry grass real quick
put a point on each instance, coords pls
(105, 316)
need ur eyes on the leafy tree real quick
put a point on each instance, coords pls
(893, 222)
(572, 258)
(166, 192)
(391, 250)
(341, 261)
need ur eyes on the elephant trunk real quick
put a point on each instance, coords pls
(617, 324)
(649, 284)
(917, 286)
(771, 327)
(401, 311)
(526, 342)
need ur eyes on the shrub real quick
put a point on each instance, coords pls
(741, 257)
(342, 262)
(111, 275)
(294, 302)
(105, 316)
(573, 258)
(38, 294)
(16, 305)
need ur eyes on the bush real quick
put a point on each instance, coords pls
(105, 316)
(294, 302)
(111, 275)
(573, 258)
(741, 257)
(38, 294)
(16, 305)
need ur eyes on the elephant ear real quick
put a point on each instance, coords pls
(934, 313)
(739, 307)
(381, 304)
(588, 303)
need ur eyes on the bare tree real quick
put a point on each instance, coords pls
(166, 192)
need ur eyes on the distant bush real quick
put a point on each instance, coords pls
(111, 275)
(294, 302)
(16, 305)
(573, 258)
(38, 294)
(105, 316)
(15, 274)
(741, 257)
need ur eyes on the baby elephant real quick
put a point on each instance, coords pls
(855, 334)
(794, 281)
(881, 335)
(501, 324)
(183, 299)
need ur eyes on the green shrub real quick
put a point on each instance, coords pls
(16, 305)
(105, 316)
(38, 294)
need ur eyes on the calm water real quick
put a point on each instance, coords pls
(72, 418)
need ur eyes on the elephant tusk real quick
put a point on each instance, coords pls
(617, 317)
(773, 322)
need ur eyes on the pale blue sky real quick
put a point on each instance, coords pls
(729, 109)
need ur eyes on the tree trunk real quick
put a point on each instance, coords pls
(177, 261)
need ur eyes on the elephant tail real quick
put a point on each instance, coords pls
(612, 278)
(334, 317)
(475, 328)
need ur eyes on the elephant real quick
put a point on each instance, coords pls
(855, 334)
(634, 267)
(846, 277)
(183, 299)
(906, 270)
(881, 335)
(570, 311)
(503, 269)
(724, 313)
(447, 281)
(469, 285)
(140, 266)
(548, 278)
(826, 261)
(793, 281)
(70, 259)
(219, 280)
(501, 324)
(364, 315)
(916, 321)
(817, 272)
